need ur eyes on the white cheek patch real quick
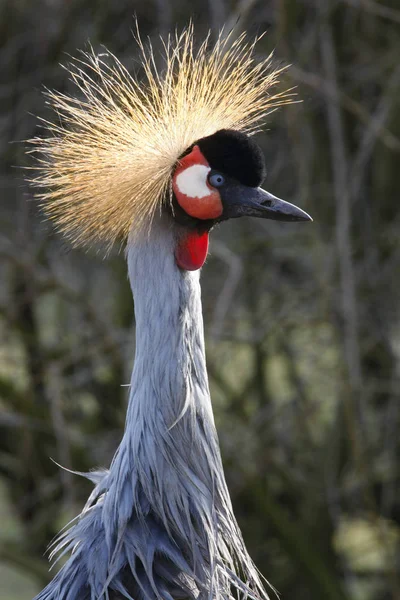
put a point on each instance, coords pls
(192, 182)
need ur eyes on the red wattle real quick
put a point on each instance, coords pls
(191, 251)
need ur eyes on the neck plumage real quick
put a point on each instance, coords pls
(170, 434)
(169, 386)
(169, 456)
(159, 523)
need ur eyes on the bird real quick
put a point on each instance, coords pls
(155, 159)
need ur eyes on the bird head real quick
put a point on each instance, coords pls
(179, 141)
(216, 179)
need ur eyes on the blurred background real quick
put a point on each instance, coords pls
(302, 321)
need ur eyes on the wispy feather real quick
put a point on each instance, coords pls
(106, 168)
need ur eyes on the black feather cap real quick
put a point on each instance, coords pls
(235, 154)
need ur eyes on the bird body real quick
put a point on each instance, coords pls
(159, 523)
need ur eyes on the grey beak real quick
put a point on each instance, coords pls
(268, 206)
(244, 201)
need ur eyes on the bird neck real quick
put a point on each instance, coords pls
(165, 499)
(170, 447)
(169, 376)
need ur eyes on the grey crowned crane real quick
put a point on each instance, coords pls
(158, 162)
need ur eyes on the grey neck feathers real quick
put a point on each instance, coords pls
(159, 524)
(170, 435)
(169, 386)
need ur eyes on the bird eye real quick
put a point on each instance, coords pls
(216, 180)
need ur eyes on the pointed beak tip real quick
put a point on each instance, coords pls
(295, 214)
(281, 210)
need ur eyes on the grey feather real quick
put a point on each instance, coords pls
(159, 524)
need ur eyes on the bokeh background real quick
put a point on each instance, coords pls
(302, 321)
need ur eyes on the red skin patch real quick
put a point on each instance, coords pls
(191, 251)
(207, 207)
